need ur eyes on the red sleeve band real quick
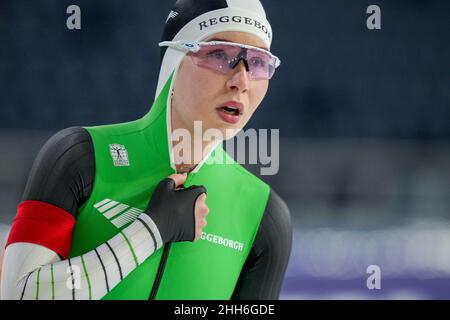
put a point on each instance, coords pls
(43, 224)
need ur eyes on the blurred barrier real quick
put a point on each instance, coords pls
(420, 250)
(331, 263)
(4, 230)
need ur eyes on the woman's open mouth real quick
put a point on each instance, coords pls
(230, 113)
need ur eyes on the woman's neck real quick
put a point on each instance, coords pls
(191, 149)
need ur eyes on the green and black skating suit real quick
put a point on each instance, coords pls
(104, 176)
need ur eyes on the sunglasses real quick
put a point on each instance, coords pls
(224, 56)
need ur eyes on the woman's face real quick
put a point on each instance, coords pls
(199, 93)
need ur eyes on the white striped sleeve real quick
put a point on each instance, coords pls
(90, 276)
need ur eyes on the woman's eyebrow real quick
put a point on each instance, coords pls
(219, 39)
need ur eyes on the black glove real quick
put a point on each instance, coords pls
(173, 211)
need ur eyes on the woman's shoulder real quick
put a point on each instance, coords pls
(68, 137)
(278, 209)
(64, 148)
(275, 232)
(63, 171)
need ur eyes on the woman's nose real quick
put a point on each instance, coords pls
(239, 77)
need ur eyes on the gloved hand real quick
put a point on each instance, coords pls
(179, 213)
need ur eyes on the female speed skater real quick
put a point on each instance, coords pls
(111, 212)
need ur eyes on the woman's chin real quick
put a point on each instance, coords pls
(222, 131)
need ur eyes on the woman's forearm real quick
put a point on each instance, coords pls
(34, 272)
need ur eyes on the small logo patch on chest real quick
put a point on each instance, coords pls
(119, 155)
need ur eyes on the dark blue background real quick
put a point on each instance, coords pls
(337, 79)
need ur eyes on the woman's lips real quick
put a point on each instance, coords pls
(228, 117)
(231, 111)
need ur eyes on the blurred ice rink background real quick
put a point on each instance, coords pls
(364, 119)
